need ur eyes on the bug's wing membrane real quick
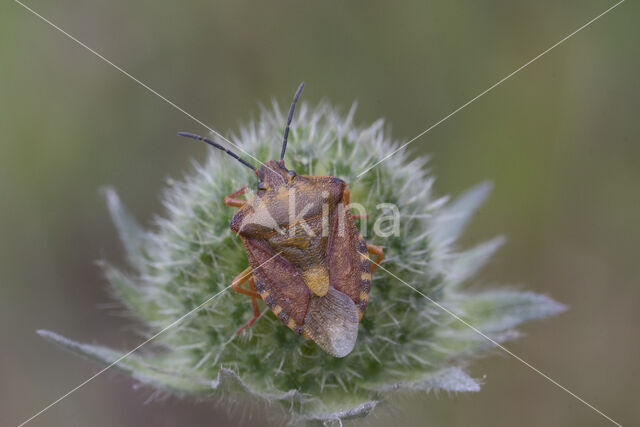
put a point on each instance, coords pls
(332, 323)
(279, 283)
(347, 259)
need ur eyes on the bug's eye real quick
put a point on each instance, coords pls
(292, 174)
(262, 186)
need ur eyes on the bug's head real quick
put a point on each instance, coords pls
(274, 175)
(282, 197)
(269, 210)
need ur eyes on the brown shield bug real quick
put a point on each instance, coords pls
(307, 260)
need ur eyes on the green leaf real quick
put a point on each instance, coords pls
(499, 310)
(448, 379)
(136, 366)
(335, 418)
(131, 235)
(495, 313)
(452, 220)
(465, 264)
(131, 295)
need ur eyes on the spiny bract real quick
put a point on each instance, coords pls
(404, 342)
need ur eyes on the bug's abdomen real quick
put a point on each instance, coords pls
(347, 260)
(305, 247)
(278, 283)
(304, 294)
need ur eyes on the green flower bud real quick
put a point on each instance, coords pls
(404, 341)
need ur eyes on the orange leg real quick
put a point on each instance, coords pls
(231, 199)
(235, 284)
(346, 199)
(375, 250)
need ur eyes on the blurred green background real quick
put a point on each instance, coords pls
(559, 140)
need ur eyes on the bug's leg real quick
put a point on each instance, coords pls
(375, 250)
(235, 284)
(240, 279)
(346, 199)
(256, 309)
(231, 199)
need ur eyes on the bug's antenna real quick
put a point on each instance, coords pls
(219, 147)
(286, 130)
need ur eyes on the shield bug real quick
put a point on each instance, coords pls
(307, 260)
